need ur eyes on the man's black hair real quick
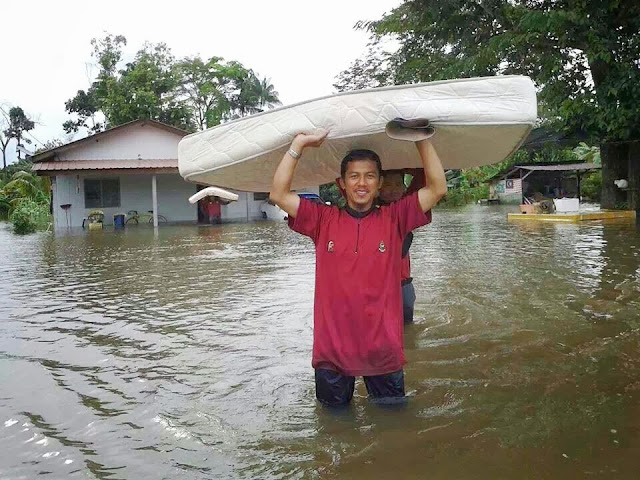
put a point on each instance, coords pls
(362, 154)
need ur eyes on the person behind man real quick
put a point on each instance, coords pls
(393, 189)
(357, 312)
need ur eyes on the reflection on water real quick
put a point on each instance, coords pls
(187, 353)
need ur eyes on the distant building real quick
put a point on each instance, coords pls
(116, 170)
(552, 180)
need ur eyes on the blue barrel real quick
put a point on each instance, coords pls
(118, 220)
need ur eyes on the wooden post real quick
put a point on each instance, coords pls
(154, 196)
(578, 178)
(633, 195)
(521, 189)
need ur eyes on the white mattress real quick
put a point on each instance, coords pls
(479, 121)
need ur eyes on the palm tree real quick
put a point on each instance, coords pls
(267, 95)
(24, 186)
(254, 95)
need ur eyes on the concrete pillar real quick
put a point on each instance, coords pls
(154, 195)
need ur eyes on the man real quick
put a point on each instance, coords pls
(357, 310)
(214, 210)
(393, 189)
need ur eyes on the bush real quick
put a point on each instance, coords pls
(464, 195)
(29, 216)
(590, 186)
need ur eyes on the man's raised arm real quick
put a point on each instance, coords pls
(281, 193)
(436, 182)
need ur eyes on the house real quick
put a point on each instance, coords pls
(130, 167)
(552, 180)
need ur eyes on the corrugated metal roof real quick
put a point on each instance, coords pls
(558, 167)
(561, 166)
(106, 164)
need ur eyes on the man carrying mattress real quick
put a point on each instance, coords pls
(392, 190)
(358, 303)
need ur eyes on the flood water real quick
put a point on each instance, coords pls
(186, 354)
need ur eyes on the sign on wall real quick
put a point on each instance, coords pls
(513, 185)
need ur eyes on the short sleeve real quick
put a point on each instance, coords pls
(409, 214)
(307, 220)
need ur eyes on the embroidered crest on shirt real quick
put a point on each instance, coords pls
(330, 246)
(381, 247)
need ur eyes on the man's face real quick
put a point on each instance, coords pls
(361, 183)
(392, 187)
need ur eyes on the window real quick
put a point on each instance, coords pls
(260, 196)
(101, 193)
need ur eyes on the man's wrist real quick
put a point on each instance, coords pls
(297, 147)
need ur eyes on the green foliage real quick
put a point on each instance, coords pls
(216, 90)
(189, 94)
(25, 185)
(329, 192)
(85, 106)
(582, 55)
(20, 193)
(29, 216)
(371, 71)
(585, 153)
(471, 186)
(591, 186)
(14, 125)
(48, 145)
(465, 194)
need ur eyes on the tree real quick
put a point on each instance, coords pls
(584, 57)
(19, 123)
(190, 94)
(48, 145)
(4, 137)
(218, 91)
(147, 87)
(87, 104)
(370, 71)
(252, 94)
(267, 95)
(202, 85)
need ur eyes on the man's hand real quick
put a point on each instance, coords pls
(303, 140)
(281, 193)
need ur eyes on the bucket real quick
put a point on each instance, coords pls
(118, 220)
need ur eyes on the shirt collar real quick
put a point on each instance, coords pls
(357, 214)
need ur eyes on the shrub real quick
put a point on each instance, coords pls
(29, 216)
(590, 186)
(464, 195)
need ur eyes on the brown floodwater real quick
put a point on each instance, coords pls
(186, 354)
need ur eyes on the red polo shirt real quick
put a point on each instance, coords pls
(358, 301)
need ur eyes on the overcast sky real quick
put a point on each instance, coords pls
(300, 45)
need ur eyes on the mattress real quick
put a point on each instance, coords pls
(478, 121)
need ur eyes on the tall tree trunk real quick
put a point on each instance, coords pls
(615, 166)
(634, 175)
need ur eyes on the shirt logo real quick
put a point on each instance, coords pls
(330, 246)
(381, 247)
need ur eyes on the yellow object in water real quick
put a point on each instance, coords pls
(96, 226)
(575, 217)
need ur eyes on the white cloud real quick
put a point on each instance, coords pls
(300, 45)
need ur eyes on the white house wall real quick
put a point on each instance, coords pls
(135, 194)
(238, 211)
(138, 141)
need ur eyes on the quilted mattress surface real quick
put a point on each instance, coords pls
(478, 121)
